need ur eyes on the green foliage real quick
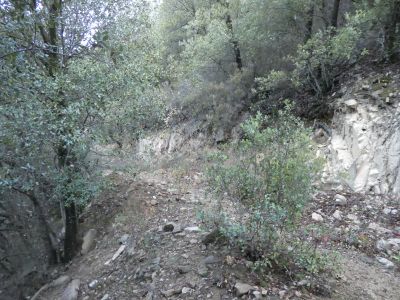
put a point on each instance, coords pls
(326, 55)
(86, 73)
(76, 187)
(270, 172)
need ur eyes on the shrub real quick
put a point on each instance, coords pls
(269, 177)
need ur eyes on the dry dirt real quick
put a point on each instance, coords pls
(156, 264)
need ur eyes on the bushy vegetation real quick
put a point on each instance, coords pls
(72, 74)
(311, 42)
(269, 176)
(80, 73)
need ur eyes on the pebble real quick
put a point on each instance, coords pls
(242, 288)
(385, 262)
(183, 269)
(93, 284)
(192, 229)
(202, 270)
(171, 292)
(257, 295)
(378, 228)
(389, 245)
(211, 260)
(353, 218)
(123, 239)
(186, 290)
(106, 297)
(340, 200)
(317, 217)
(337, 215)
(352, 103)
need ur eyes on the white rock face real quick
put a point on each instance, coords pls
(364, 150)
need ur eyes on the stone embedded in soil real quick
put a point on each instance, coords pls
(171, 292)
(106, 297)
(385, 262)
(317, 217)
(242, 288)
(211, 260)
(123, 239)
(257, 295)
(353, 218)
(186, 290)
(183, 269)
(378, 228)
(92, 285)
(337, 215)
(172, 227)
(340, 200)
(60, 281)
(389, 245)
(192, 229)
(169, 227)
(352, 103)
(72, 290)
(202, 270)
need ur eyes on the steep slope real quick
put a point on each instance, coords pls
(364, 149)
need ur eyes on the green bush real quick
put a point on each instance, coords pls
(269, 176)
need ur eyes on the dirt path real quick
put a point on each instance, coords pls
(153, 218)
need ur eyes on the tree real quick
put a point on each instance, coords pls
(335, 13)
(59, 78)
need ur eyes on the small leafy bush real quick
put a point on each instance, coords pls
(269, 178)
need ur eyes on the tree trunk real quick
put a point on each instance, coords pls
(335, 14)
(71, 231)
(391, 32)
(235, 44)
(309, 22)
(66, 160)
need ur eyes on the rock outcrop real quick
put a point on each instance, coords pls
(364, 149)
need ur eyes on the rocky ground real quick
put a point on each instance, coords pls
(146, 241)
